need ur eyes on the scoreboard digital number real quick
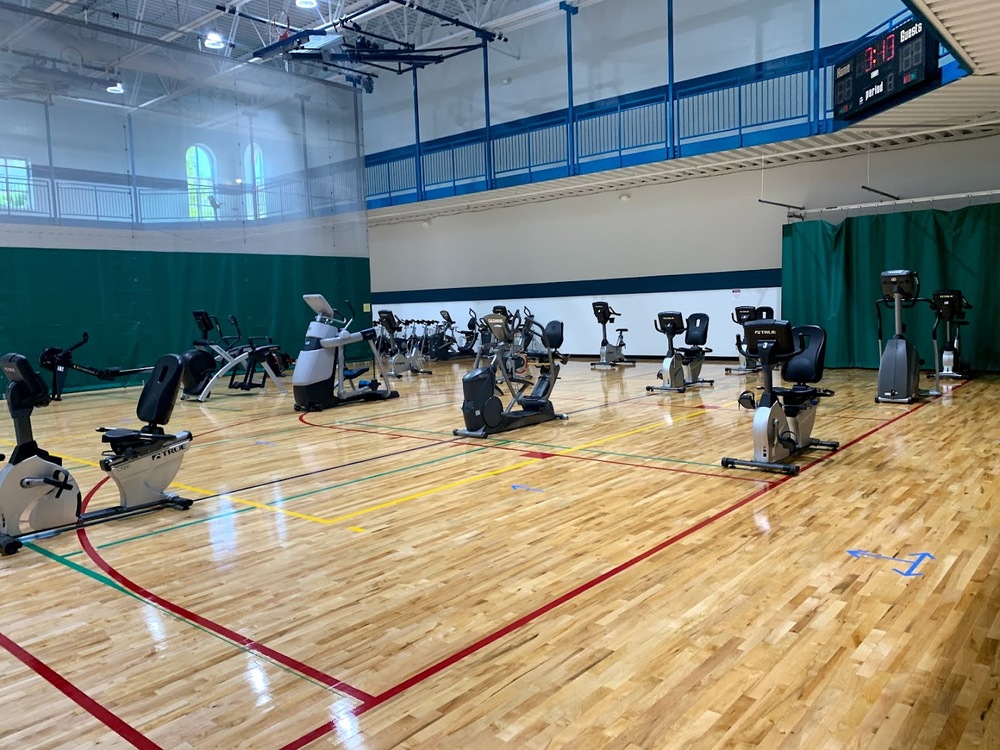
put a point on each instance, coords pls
(892, 65)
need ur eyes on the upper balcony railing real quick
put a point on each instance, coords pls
(111, 199)
(791, 97)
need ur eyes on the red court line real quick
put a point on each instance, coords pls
(231, 635)
(472, 648)
(571, 594)
(124, 730)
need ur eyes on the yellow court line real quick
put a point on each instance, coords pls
(498, 472)
(252, 504)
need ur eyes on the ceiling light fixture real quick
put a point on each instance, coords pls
(306, 4)
(213, 40)
(115, 87)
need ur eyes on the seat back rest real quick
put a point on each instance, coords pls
(806, 367)
(389, 321)
(697, 330)
(552, 336)
(156, 402)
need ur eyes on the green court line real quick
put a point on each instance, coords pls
(100, 578)
(281, 501)
(175, 527)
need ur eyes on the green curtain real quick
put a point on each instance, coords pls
(830, 276)
(137, 305)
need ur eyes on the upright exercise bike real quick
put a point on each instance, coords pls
(949, 308)
(141, 462)
(483, 409)
(682, 364)
(783, 418)
(611, 354)
(899, 363)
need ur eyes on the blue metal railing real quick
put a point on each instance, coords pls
(757, 104)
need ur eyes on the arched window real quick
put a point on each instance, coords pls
(15, 184)
(200, 165)
(253, 178)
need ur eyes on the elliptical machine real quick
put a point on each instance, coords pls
(741, 315)
(321, 368)
(611, 354)
(899, 363)
(142, 462)
(682, 364)
(482, 408)
(949, 307)
(783, 418)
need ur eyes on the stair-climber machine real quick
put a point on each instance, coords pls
(682, 364)
(783, 417)
(483, 410)
(899, 363)
(141, 462)
(321, 378)
(215, 356)
(949, 308)
(744, 314)
(611, 354)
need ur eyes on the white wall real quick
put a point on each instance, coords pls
(696, 226)
(619, 46)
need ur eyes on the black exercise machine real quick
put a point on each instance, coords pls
(783, 418)
(216, 355)
(60, 361)
(899, 363)
(483, 410)
(682, 365)
(741, 315)
(949, 308)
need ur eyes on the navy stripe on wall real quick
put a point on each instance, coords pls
(690, 282)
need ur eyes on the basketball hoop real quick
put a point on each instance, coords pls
(279, 28)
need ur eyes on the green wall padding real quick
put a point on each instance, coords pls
(830, 277)
(137, 305)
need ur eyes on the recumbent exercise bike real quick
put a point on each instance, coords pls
(682, 364)
(141, 462)
(783, 417)
(741, 315)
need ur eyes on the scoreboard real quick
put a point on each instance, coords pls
(891, 66)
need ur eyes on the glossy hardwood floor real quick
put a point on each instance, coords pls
(360, 578)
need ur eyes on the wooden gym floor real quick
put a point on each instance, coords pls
(360, 578)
